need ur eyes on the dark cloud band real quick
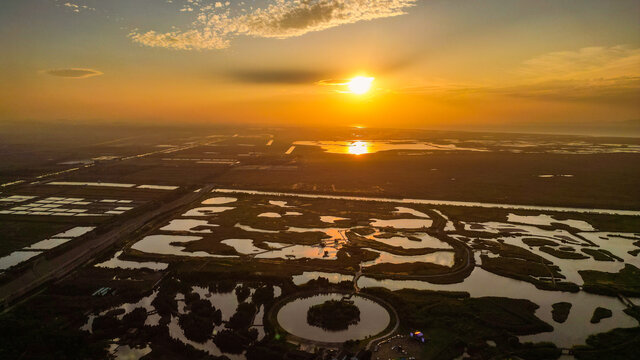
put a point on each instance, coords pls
(73, 73)
(277, 76)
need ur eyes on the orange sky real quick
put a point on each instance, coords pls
(436, 64)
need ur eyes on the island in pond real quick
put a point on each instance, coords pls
(333, 315)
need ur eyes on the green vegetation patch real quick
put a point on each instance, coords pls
(333, 315)
(601, 254)
(563, 254)
(198, 324)
(528, 271)
(617, 344)
(539, 242)
(25, 336)
(560, 311)
(600, 313)
(453, 321)
(626, 282)
(18, 234)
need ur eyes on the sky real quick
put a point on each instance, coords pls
(459, 64)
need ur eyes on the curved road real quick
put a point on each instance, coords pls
(272, 315)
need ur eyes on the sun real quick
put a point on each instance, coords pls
(358, 148)
(360, 85)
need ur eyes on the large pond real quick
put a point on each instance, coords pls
(572, 332)
(360, 147)
(293, 318)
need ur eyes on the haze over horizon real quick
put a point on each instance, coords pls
(533, 66)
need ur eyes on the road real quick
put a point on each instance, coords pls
(468, 264)
(57, 267)
(388, 333)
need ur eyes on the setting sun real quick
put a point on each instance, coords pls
(283, 179)
(358, 148)
(360, 85)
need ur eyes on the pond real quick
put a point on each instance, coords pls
(47, 244)
(361, 147)
(125, 352)
(116, 263)
(570, 267)
(168, 245)
(298, 252)
(219, 200)
(74, 232)
(402, 223)
(16, 258)
(292, 317)
(243, 246)
(572, 332)
(547, 220)
(424, 240)
(270, 215)
(188, 225)
(279, 203)
(414, 212)
(158, 187)
(444, 258)
(207, 210)
(307, 276)
(331, 219)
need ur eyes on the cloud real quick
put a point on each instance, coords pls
(319, 76)
(78, 8)
(588, 62)
(75, 73)
(333, 82)
(215, 26)
(277, 76)
(624, 90)
(591, 74)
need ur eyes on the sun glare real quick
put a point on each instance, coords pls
(358, 148)
(360, 85)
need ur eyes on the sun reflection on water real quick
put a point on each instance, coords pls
(358, 148)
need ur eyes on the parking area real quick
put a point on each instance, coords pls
(398, 347)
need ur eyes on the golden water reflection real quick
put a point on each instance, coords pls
(358, 148)
(361, 147)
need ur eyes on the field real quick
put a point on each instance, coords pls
(192, 236)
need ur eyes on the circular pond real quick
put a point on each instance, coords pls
(292, 317)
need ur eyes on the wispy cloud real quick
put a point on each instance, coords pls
(621, 90)
(75, 73)
(591, 74)
(588, 62)
(277, 76)
(78, 7)
(216, 24)
(333, 82)
(611, 90)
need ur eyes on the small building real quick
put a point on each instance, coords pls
(102, 291)
(418, 336)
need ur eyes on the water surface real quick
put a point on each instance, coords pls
(293, 318)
